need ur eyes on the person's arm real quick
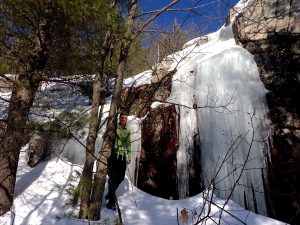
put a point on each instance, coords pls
(129, 147)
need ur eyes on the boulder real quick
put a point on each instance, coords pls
(161, 69)
(262, 18)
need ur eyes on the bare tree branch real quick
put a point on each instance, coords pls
(160, 11)
(178, 9)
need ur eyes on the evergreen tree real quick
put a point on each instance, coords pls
(86, 180)
(29, 30)
(40, 39)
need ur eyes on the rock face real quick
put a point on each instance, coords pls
(270, 30)
(157, 167)
(4, 85)
(262, 18)
(157, 171)
(43, 144)
(160, 70)
(158, 161)
(138, 100)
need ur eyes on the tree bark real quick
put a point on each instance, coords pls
(87, 174)
(100, 175)
(22, 98)
(14, 137)
(86, 179)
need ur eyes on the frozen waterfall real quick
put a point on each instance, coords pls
(219, 94)
(234, 130)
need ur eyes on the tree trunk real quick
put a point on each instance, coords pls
(86, 179)
(100, 175)
(87, 173)
(23, 95)
(14, 137)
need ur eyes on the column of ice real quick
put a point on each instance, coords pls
(134, 124)
(182, 96)
(227, 142)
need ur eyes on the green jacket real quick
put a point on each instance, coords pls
(123, 142)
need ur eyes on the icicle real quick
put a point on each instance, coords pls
(187, 126)
(134, 125)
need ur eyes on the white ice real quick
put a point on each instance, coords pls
(221, 81)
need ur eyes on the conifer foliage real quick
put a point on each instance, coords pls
(29, 30)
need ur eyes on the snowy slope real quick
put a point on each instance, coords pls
(41, 199)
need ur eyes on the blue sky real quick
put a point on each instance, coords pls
(213, 14)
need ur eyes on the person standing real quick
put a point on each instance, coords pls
(121, 155)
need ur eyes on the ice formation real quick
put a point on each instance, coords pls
(219, 95)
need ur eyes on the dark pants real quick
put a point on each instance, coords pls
(116, 174)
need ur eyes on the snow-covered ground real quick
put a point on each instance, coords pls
(41, 199)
